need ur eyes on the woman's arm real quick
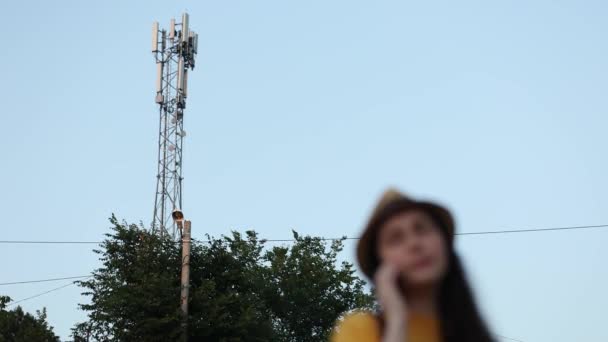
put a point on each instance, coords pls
(394, 332)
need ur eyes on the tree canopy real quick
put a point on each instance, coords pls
(240, 289)
(19, 326)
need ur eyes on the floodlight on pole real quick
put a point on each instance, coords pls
(178, 217)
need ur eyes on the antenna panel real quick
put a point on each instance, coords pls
(172, 29)
(185, 29)
(155, 37)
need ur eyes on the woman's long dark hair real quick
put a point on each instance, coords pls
(460, 319)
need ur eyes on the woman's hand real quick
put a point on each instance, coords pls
(393, 303)
(389, 295)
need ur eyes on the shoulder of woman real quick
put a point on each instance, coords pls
(357, 326)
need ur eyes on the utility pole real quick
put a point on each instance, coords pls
(185, 288)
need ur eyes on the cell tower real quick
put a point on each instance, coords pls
(174, 51)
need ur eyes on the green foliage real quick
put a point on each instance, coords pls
(18, 326)
(307, 292)
(133, 293)
(240, 290)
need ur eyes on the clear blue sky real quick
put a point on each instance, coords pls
(299, 114)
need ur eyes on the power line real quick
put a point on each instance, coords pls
(507, 338)
(533, 230)
(508, 231)
(43, 280)
(48, 242)
(42, 293)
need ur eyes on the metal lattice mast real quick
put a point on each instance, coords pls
(174, 51)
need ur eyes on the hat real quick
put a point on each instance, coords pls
(393, 202)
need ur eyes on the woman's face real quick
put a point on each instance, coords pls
(413, 243)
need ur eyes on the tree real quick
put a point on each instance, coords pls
(18, 326)
(133, 293)
(239, 291)
(307, 293)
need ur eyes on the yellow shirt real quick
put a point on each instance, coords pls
(365, 327)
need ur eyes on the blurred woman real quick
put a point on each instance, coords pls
(407, 251)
